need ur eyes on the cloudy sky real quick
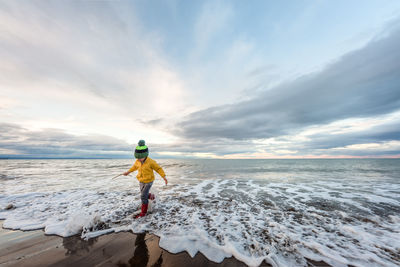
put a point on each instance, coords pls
(215, 79)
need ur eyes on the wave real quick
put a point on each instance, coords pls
(283, 224)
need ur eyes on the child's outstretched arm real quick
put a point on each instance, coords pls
(132, 169)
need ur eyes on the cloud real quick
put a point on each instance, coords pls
(384, 147)
(362, 83)
(381, 133)
(16, 141)
(344, 138)
(99, 48)
(91, 67)
(338, 139)
(380, 136)
(85, 67)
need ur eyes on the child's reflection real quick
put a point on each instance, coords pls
(141, 255)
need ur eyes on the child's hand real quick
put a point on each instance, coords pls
(126, 173)
(166, 181)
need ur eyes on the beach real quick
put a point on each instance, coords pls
(34, 248)
(212, 213)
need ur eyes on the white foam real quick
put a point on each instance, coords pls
(282, 222)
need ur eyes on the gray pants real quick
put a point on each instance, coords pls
(144, 192)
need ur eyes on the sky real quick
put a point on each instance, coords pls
(200, 79)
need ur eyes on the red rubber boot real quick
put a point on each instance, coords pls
(151, 196)
(144, 211)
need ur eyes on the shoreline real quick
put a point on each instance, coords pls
(34, 248)
(123, 249)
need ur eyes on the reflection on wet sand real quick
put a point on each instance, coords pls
(141, 253)
(124, 249)
(75, 244)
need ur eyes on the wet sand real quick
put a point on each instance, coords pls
(34, 248)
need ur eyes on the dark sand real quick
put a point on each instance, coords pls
(34, 248)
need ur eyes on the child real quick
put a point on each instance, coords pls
(145, 167)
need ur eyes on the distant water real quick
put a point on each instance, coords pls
(344, 212)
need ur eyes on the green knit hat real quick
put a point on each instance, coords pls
(141, 150)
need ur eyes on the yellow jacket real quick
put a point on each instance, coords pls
(145, 170)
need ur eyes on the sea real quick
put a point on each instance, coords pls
(345, 212)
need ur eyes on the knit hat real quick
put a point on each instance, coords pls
(141, 150)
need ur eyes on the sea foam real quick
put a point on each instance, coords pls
(283, 222)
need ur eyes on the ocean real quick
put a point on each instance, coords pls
(340, 211)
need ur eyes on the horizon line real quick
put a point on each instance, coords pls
(26, 158)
